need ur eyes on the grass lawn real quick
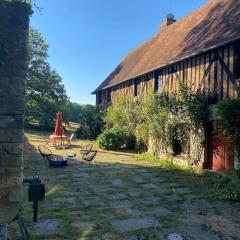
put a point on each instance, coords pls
(120, 197)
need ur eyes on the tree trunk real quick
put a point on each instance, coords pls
(3, 231)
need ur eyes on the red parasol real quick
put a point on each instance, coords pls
(59, 131)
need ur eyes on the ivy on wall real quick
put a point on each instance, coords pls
(166, 118)
(228, 125)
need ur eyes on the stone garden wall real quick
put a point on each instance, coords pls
(14, 25)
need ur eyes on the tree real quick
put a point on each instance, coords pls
(46, 94)
(90, 119)
(75, 110)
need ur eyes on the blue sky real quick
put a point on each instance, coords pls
(88, 38)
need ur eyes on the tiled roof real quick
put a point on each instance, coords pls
(214, 24)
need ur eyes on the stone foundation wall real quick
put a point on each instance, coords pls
(155, 148)
(14, 25)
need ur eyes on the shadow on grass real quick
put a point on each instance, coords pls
(82, 197)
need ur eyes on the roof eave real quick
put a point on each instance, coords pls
(169, 63)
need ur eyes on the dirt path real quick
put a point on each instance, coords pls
(121, 198)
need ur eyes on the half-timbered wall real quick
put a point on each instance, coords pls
(215, 71)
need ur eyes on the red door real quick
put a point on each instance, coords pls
(221, 157)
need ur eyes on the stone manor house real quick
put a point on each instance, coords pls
(202, 50)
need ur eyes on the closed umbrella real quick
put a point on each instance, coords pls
(59, 130)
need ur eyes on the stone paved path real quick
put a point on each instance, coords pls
(120, 198)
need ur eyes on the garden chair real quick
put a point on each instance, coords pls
(53, 160)
(89, 156)
(86, 149)
(68, 140)
(44, 151)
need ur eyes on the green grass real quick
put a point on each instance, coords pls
(69, 198)
(164, 163)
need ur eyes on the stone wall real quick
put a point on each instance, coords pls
(14, 25)
(194, 160)
(199, 156)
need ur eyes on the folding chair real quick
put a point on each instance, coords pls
(53, 160)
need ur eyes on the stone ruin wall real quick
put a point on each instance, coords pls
(14, 25)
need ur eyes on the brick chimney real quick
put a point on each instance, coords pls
(167, 22)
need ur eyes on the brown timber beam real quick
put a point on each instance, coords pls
(229, 73)
(206, 72)
(226, 69)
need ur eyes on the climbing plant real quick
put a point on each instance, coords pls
(122, 114)
(165, 118)
(194, 114)
(229, 125)
(229, 111)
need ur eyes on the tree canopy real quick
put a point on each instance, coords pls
(46, 93)
(90, 119)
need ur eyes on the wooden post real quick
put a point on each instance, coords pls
(3, 232)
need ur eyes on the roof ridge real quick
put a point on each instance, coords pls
(189, 35)
(179, 21)
(169, 27)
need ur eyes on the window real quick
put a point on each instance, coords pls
(137, 87)
(158, 86)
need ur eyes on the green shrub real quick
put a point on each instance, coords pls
(90, 119)
(85, 133)
(116, 139)
(229, 111)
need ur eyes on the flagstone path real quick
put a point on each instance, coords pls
(121, 198)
